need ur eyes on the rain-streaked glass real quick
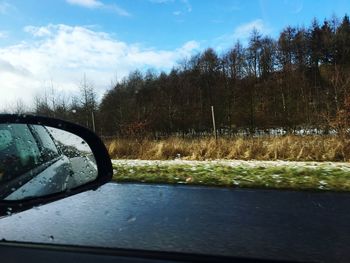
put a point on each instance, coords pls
(36, 161)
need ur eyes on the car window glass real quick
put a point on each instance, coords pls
(19, 151)
(245, 97)
(46, 141)
(26, 147)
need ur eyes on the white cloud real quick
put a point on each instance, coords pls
(86, 3)
(190, 46)
(37, 31)
(64, 53)
(95, 4)
(7, 67)
(241, 33)
(177, 13)
(118, 10)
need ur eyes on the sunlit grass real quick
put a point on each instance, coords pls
(322, 177)
(291, 148)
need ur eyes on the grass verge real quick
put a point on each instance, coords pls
(322, 176)
(292, 148)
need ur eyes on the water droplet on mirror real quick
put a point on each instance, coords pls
(131, 219)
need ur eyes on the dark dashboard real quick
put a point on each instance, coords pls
(37, 253)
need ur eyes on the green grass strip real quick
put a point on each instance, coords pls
(279, 177)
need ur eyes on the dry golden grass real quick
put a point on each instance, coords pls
(293, 148)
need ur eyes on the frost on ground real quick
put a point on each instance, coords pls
(237, 173)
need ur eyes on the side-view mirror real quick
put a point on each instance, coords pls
(46, 159)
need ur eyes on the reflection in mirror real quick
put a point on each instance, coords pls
(36, 161)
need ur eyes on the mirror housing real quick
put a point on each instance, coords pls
(102, 159)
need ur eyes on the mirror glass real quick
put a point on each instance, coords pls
(37, 160)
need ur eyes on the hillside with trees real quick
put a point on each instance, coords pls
(299, 81)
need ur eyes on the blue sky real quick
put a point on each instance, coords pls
(54, 43)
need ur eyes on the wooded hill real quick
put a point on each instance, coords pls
(300, 80)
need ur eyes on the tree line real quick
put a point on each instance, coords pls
(300, 80)
(81, 108)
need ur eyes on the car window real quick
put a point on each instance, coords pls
(46, 142)
(246, 97)
(19, 151)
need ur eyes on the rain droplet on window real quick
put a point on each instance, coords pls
(131, 219)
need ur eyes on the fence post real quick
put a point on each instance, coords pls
(93, 121)
(214, 126)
